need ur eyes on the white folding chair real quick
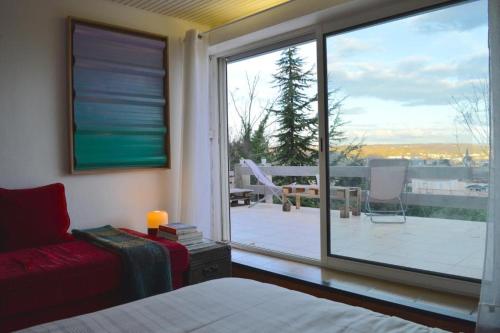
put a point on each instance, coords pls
(387, 181)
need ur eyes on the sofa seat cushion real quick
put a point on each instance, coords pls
(38, 278)
(32, 217)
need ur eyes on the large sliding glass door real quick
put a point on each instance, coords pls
(394, 119)
(409, 141)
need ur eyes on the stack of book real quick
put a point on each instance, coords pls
(182, 233)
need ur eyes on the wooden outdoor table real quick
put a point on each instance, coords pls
(338, 192)
(300, 191)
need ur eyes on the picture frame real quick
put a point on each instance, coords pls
(118, 98)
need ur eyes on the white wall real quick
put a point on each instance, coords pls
(33, 111)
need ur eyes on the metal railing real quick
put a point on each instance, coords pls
(242, 178)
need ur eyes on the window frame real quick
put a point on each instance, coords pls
(432, 280)
(319, 32)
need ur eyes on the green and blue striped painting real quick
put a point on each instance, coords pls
(119, 102)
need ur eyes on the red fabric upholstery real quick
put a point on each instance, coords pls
(45, 273)
(43, 277)
(32, 217)
(61, 280)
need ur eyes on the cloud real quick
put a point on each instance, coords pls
(411, 81)
(454, 18)
(477, 64)
(343, 46)
(353, 110)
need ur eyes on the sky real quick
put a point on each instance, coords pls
(398, 78)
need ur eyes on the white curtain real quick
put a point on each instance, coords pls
(195, 171)
(489, 305)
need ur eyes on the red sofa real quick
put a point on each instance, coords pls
(46, 274)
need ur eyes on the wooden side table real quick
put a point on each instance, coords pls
(345, 193)
(208, 263)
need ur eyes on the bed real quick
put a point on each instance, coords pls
(233, 305)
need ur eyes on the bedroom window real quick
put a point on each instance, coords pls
(409, 139)
(273, 151)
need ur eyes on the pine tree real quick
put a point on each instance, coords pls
(259, 141)
(251, 144)
(297, 129)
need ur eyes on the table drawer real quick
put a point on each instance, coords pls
(211, 270)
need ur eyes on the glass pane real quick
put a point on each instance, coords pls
(273, 151)
(408, 125)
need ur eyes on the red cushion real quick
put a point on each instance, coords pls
(33, 217)
(39, 278)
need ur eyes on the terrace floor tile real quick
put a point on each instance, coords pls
(433, 244)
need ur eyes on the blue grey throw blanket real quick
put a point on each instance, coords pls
(146, 263)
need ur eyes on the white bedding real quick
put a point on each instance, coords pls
(233, 305)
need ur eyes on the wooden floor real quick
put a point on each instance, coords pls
(440, 245)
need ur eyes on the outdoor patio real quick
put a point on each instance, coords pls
(441, 245)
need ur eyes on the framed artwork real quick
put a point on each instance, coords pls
(118, 98)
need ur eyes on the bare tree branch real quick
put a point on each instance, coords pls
(473, 113)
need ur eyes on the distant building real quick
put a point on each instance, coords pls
(448, 187)
(467, 160)
(429, 162)
(442, 162)
(417, 162)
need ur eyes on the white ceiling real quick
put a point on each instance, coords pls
(211, 13)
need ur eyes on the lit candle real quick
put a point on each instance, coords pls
(155, 218)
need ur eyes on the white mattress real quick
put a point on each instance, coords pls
(233, 305)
